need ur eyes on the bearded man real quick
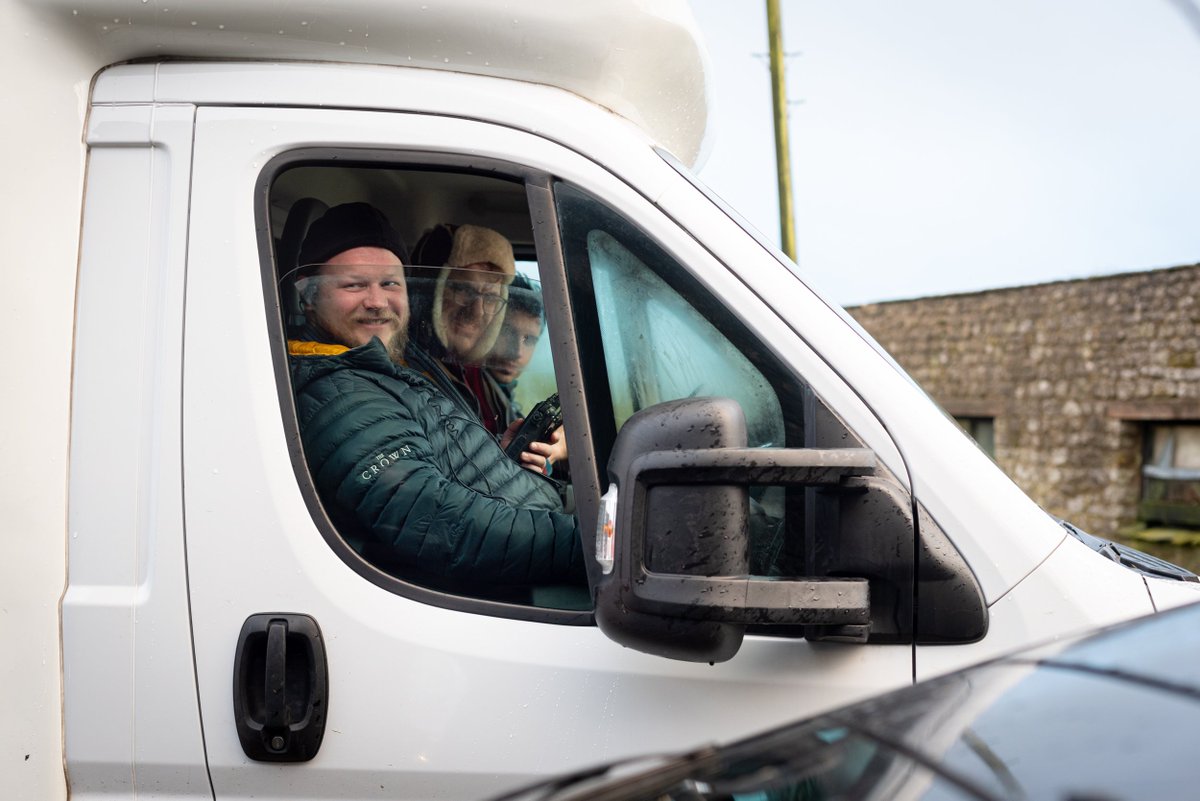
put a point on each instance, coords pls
(412, 481)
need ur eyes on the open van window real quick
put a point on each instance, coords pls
(400, 439)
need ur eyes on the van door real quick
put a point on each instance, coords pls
(432, 693)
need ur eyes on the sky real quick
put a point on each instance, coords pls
(943, 146)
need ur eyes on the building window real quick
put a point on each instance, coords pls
(1171, 474)
(982, 430)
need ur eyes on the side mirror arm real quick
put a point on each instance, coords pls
(743, 600)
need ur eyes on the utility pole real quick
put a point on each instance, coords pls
(783, 162)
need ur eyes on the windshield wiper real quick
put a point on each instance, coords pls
(1131, 558)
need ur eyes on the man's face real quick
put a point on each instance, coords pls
(518, 339)
(360, 294)
(471, 299)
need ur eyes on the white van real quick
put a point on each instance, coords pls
(165, 552)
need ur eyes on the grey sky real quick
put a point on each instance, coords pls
(950, 145)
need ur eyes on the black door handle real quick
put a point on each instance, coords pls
(280, 687)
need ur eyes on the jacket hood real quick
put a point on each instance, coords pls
(490, 334)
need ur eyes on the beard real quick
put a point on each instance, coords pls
(397, 345)
(342, 331)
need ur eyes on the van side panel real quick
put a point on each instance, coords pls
(131, 714)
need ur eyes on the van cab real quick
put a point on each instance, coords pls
(776, 519)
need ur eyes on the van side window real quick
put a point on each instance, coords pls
(665, 337)
(415, 337)
(658, 347)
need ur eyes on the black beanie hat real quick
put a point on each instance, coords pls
(348, 226)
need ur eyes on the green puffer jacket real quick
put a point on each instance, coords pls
(415, 482)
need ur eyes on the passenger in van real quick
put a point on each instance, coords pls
(412, 480)
(461, 296)
(459, 291)
(524, 324)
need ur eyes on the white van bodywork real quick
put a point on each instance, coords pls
(145, 448)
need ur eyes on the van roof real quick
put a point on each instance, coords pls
(642, 59)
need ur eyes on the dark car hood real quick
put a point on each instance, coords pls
(1111, 715)
(1107, 717)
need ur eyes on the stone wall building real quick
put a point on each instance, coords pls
(1087, 392)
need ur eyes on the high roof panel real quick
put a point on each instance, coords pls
(642, 59)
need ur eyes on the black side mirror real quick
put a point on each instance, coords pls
(674, 551)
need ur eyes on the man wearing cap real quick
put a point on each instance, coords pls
(412, 480)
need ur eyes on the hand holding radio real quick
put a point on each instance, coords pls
(539, 426)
